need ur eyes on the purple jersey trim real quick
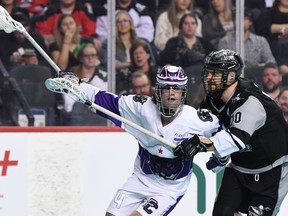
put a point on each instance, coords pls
(167, 168)
(109, 102)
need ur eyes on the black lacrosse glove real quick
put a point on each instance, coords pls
(216, 164)
(189, 148)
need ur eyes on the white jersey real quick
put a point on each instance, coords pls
(155, 159)
(158, 171)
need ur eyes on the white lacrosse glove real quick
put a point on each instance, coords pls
(217, 164)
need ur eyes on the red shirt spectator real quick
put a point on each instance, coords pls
(34, 7)
(47, 22)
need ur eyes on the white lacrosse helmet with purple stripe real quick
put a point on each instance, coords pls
(170, 77)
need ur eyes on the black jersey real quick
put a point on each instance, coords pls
(257, 121)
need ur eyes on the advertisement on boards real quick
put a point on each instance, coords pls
(77, 174)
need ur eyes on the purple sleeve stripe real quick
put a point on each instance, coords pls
(109, 102)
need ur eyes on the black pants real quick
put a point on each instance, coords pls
(238, 191)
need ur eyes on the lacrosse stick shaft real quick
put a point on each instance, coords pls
(126, 121)
(42, 52)
(8, 24)
(69, 86)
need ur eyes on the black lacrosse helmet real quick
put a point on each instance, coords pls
(221, 61)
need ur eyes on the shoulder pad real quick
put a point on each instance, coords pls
(204, 115)
(140, 98)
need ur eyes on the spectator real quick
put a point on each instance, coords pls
(218, 22)
(68, 41)
(142, 20)
(47, 22)
(186, 49)
(11, 7)
(283, 102)
(13, 45)
(140, 84)
(273, 25)
(30, 57)
(126, 36)
(257, 50)
(33, 7)
(89, 70)
(167, 25)
(141, 60)
(271, 80)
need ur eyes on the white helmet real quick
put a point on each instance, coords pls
(170, 77)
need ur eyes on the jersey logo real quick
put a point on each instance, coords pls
(235, 99)
(140, 98)
(204, 115)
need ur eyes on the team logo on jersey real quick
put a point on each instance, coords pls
(235, 99)
(204, 115)
(150, 205)
(140, 98)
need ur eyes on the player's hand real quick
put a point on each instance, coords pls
(217, 164)
(189, 148)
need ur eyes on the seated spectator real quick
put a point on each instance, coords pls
(47, 22)
(13, 45)
(140, 84)
(186, 49)
(30, 57)
(218, 22)
(142, 20)
(272, 23)
(141, 60)
(89, 70)
(126, 36)
(271, 80)
(68, 41)
(33, 7)
(167, 25)
(12, 7)
(257, 49)
(283, 102)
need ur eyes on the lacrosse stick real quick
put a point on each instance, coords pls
(71, 87)
(8, 24)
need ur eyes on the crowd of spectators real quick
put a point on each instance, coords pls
(148, 35)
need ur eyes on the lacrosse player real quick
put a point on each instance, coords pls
(159, 179)
(256, 138)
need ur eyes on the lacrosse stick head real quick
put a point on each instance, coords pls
(67, 85)
(8, 24)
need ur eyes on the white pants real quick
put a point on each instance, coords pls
(134, 195)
